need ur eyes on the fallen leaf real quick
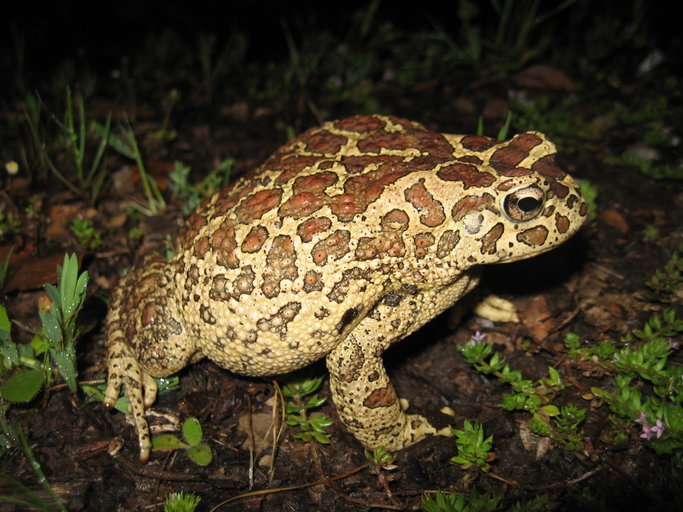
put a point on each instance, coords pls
(541, 76)
(615, 219)
(537, 318)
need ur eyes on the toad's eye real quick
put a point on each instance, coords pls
(524, 204)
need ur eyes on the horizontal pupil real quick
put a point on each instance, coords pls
(527, 204)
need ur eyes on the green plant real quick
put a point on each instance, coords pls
(190, 195)
(648, 389)
(74, 131)
(667, 284)
(381, 458)
(534, 397)
(14, 437)
(540, 503)
(590, 194)
(527, 395)
(311, 428)
(559, 120)
(54, 344)
(86, 233)
(473, 448)
(127, 145)
(23, 371)
(199, 452)
(4, 267)
(456, 502)
(9, 223)
(648, 166)
(181, 502)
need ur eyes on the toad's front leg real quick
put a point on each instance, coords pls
(367, 402)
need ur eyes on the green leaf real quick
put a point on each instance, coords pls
(192, 431)
(22, 386)
(4, 319)
(321, 438)
(200, 454)
(39, 345)
(66, 362)
(550, 410)
(167, 443)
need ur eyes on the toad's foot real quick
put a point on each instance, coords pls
(141, 391)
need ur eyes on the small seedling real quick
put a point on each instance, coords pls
(473, 448)
(127, 145)
(86, 233)
(10, 224)
(196, 450)
(666, 285)
(181, 502)
(456, 502)
(72, 142)
(311, 428)
(381, 458)
(190, 195)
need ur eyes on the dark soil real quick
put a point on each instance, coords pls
(591, 286)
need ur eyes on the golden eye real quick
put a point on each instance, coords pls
(524, 203)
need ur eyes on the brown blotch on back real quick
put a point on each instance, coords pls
(195, 222)
(279, 321)
(228, 197)
(533, 236)
(423, 241)
(280, 265)
(219, 288)
(360, 124)
(288, 164)
(377, 141)
(223, 245)
(361, 190)
(254, 239)
(341, 287)
(309, 195)
(201, 246)
(325, 142)
(431, 210)
(447, 243)
(525, 142)
(357, 164)
(489, 240)
(395, 220)
(311, 227)
(468, 174)
(477, 143)
(335, 245)
(257, 204)
(516, 172)
(313, 281)
(244, 282)
(206, 315)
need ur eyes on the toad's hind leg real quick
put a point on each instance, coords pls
(145, 339)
